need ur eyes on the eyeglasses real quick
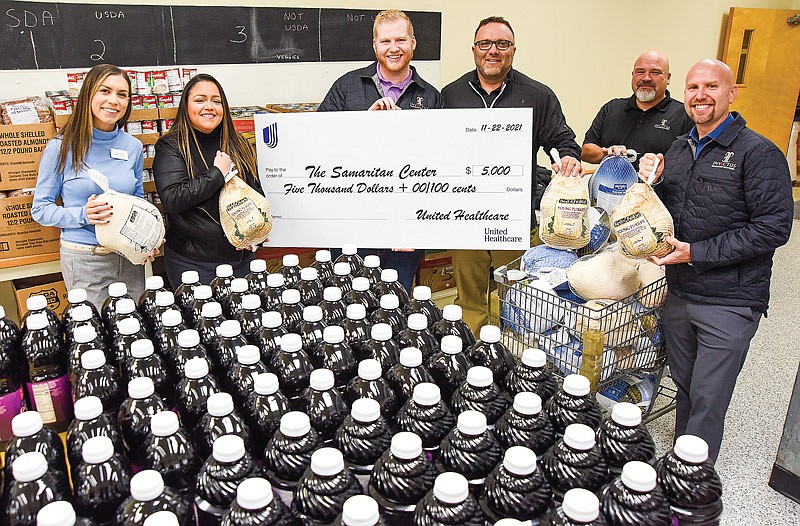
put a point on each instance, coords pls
(486, 45)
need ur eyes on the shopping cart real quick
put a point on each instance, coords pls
(531, 315)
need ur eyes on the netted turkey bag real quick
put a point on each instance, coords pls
(608, 275)
(565, 218)
(641, 223)
(244, 214)
(650, 273)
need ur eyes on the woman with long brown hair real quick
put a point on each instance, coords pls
(91, 139)
(190, 168)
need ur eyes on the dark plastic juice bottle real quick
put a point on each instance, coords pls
(166, 339)
(323, 489)
(293, 368)
(342, 278)
(525, 424)
(77, 297)
(360, 510)
(12, 395)
(232, 307)
(580, 508)
(101, 482)
(451, 323)
(334, 309)
(269, 335)
(381, 347)
(230, 339)
(90, 421)
(575, 461)
(449, 366)
(389, 285)
(370, 384)
(372, 269)
(256, 505)
(134, 416)
(220, 419)
(470, 449)
(335, 354)
(363, 437)
(416, 334)
(126, 308)
(61, 513)
(265, 407)
(530, 375)
(390, 313)
(490, 352)
(291, 269)
(31, 489)
(288, 454)
(271, 299)
(143, 361)
(169, 451)
(97, 378)
(228, 466)
(350, 256)
(242, 375)
(310, 286)
(202, 296)
(250, 317)
(257, 277)
(193, 390)
(85, 339)
(291, 309)
(147, 301)
(165, 300)
(421, 302)
(409, 372)
(149, 495)
(516, 488)
(30, 434)
(310, 329)
(635, 499)
(130, 330)
(116, 291)
(480, 393)
(184, 294)
(622, 438)
(449, 503)
(322, 262)
(361, 293)
(212, 319)
(221, 284)
(324, 405)
(188, 347)
(426, 415)
(357, 329)
(573, 404)
(80, 316)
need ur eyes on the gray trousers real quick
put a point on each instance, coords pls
(95, 273)
(706, 347)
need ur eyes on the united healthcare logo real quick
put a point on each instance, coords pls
(271, 135)
(725, 162)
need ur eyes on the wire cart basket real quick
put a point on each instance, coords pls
(633, 348)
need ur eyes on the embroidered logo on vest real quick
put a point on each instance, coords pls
(663, 125)
(725, 162)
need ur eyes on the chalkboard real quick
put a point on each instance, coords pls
(37, 35)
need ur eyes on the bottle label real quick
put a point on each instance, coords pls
(11, 405)
(52, 398)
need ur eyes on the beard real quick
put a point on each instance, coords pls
(709, 117)
(397, 66)
(645, 95)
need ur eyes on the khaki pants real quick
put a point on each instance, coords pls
(472, 270)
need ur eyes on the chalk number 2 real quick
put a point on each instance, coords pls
(241, 35)
(99, 56)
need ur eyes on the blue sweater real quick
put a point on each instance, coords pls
(124, 176)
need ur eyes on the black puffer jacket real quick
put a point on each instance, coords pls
(734, 206)
(192, 205)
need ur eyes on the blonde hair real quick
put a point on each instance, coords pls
(391, 15)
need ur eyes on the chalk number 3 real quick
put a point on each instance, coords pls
(241, 34)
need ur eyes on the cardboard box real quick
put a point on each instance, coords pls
(436, 273)
(21, 148)
(50, 286)
(20, 235)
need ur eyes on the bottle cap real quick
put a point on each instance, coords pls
(230, 328)
(290, 296)
(360, 284)
(490, 334)
(79, 313)
(171, 318)
(219, 404)
(154, 283)
(254, 494)
(239, 285)
(147, 485)
(365, 410)
(251, 301)
(141, 387)
(228, 449)
(295, 424)
(388, 275)
(322, 256)
(421, 293)
(639, 476)
(426, 394)
(164, 424)
(79, 295)
(369, 369)
(389, 301)
(381, 332)
(195, 368)
(84, 333)
(36, 321)
(356, 311)
(312, 313)
(29, 467)
(224, 271)
(125, 326)
(452, 312)
(327, 462)
(212, 309)
(372, 261)
(126, 306)
(534, 357)
(451, 488)
(321, 379)
(165, 298)
(203, 292)
(271, 319)
(411, 357)
(248, 355)
(258, 265)
(519, 460)
(26, 424)
(117, 289)
(142, 348)
(406, 445)
(57, 513)
(97, 450)
(576, 385)
(88, 408)
(528, 404)
(626, 414)
(275, 280)
(579, 436)
(348, 249)
(451, 344)
(291, 342)
(190, 337)
(93, 359)
(689, 448)
(479, 376)
(162, 518)
(308, 274)
(190, 276)
(471, 423)
(332, 294)
(333, 334)
(341, 269)
(291, 260)
(581, 505)
(266, 384)
(360, 510)
(417, 321)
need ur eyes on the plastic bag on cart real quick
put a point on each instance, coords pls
(651, 296)
(638, 389)
(565, 219)
(641, 222)
(599, 231)
(543, 256)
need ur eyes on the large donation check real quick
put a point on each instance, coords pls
(457, 178)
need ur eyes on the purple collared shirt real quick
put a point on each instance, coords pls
(393, 91)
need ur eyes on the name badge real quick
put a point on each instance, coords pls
(119, 154)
